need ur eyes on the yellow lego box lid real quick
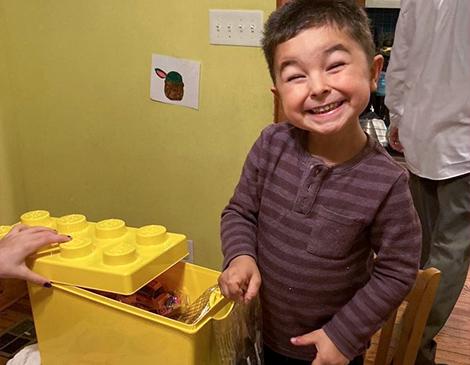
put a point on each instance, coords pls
(106, 255)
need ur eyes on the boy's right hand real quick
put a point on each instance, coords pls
(241, 280)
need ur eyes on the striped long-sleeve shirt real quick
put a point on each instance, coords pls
(313, 230)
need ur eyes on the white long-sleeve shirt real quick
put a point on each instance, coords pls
(428, 86)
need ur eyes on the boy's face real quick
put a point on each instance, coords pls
(323, 80)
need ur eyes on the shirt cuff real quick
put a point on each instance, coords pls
(344, 345)
(228, 259)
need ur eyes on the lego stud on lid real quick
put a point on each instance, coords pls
(110, 228)
(121, 254)
(151, 235)
(71, 223)
(76, 248)
(4, 230)
(37, 218)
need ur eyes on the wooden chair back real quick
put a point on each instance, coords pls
(400, 336)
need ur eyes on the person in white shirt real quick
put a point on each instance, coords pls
(428, 96)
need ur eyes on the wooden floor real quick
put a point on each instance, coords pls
(453, 341)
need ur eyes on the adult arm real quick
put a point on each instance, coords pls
(397, 70)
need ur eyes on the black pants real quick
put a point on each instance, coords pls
(273, 358)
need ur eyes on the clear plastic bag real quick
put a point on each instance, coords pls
(238, 339)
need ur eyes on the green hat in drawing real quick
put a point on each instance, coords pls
(174, 86)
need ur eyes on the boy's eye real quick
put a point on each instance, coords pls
(294, 77)
(335, 66)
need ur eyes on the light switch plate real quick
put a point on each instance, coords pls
(236, 27)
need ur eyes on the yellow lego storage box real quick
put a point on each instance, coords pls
(76, 325)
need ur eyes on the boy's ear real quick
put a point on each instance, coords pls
(274, 91)
(375, 68)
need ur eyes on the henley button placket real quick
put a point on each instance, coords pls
(309, 190)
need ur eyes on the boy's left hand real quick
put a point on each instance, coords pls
(327, 352)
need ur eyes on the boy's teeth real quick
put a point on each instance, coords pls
(325, 108)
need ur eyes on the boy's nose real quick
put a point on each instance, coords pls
(318, 87)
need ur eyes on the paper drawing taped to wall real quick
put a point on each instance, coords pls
(175, 81)
(174, 85)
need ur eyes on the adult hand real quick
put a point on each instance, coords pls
(394, 139)
(327, 352)
(241, 280)
(21, 242)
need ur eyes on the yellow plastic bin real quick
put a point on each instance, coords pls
(78, 326)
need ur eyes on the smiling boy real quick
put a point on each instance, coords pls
(322, 215)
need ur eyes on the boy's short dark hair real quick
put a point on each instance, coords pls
(297, 15)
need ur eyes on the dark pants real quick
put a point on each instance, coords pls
(444, 210)
(273, 358)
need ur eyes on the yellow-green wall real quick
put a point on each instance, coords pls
(78, 130)
(11, 186)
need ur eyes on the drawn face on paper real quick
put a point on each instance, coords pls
(174, 85)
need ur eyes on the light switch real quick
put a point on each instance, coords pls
(236, 27)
